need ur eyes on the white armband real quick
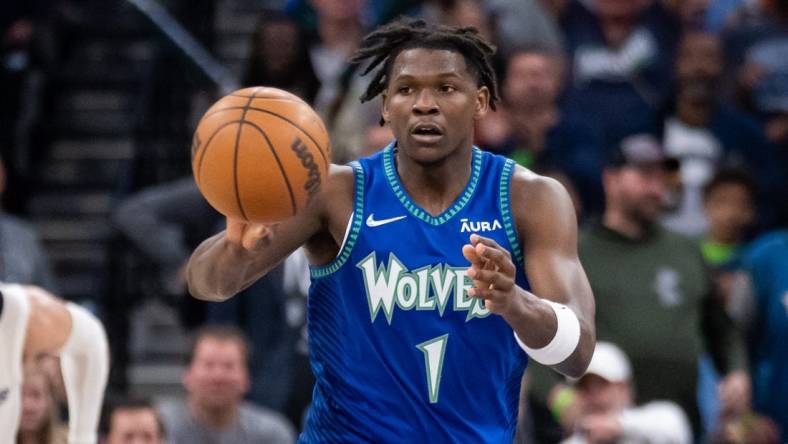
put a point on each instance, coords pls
(565, 341)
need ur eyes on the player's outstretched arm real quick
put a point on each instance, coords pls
(547, 227)
(230, 261)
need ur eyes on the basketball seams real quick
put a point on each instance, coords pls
(278, 163)
(202, 152)
(289, 99)
(295, 125)
(235, 156)
(237, 107)
(286, 119)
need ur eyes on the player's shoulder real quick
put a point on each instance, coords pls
(339, 182)
(530, 189)
(538, 201)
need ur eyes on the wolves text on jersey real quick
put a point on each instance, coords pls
(426, 288)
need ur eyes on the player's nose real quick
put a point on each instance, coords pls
(425, 103)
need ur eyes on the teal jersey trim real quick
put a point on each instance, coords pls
(506, 213)
(415, 210)
(355, 228)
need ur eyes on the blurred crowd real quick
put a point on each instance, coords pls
(666, 120)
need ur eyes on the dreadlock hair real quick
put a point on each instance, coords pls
(384, 45)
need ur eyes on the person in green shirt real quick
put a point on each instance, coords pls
(653, 293)
(729, 204)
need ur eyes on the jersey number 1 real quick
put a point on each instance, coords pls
(434, 350)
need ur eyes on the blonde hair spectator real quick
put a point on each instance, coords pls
(40, 422)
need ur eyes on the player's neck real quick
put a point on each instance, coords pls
(218, 419)
(435, 186)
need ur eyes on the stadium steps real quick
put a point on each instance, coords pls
(93, 101)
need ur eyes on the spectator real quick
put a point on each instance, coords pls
(729, 204)
(39, 423)
(757, 46)
(460, 13)
(705, 134)
(651, 290)
(22, 52)
(216, 381)
(521, 23)
(22, 258)
(620, 54)
(165, 223)
(340, 26)
(280, 57)
(133, 422)
(532, 130)
(692, 13)
(478, 14)
(605, 395)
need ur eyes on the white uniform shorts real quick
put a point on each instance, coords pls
(13, 326)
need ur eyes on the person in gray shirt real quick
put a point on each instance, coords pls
(23, 259)
(216, 381)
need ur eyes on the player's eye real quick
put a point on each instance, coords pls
(447, 88)
(404, 89)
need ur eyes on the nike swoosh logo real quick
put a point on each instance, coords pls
(371, 222)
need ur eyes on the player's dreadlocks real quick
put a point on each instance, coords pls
(384, 44)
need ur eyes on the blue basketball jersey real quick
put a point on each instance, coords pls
(400, 352)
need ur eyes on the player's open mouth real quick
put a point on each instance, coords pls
(426, 133)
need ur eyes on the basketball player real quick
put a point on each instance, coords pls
(32, 323)
(419, 309)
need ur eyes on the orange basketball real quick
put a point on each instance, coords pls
(259, 154)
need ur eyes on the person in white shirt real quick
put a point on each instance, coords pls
(607, 415)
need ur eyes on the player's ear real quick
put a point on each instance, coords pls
(482, 102)
(384, 109)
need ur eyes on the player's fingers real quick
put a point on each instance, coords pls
(489, 294)
(486, 278)
(235, 230)
(477, 239)
(257, 235)
(500, 258)
(470, 253)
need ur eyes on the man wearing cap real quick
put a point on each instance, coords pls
(605, 397)
(652, 291)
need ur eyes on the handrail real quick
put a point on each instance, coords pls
(172, 28)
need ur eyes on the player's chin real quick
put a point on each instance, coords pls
(427, 150)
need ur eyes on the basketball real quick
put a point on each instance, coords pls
(259, 154)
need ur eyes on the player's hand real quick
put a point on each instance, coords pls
(250, 236)
(493, 274)
(734, 392)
